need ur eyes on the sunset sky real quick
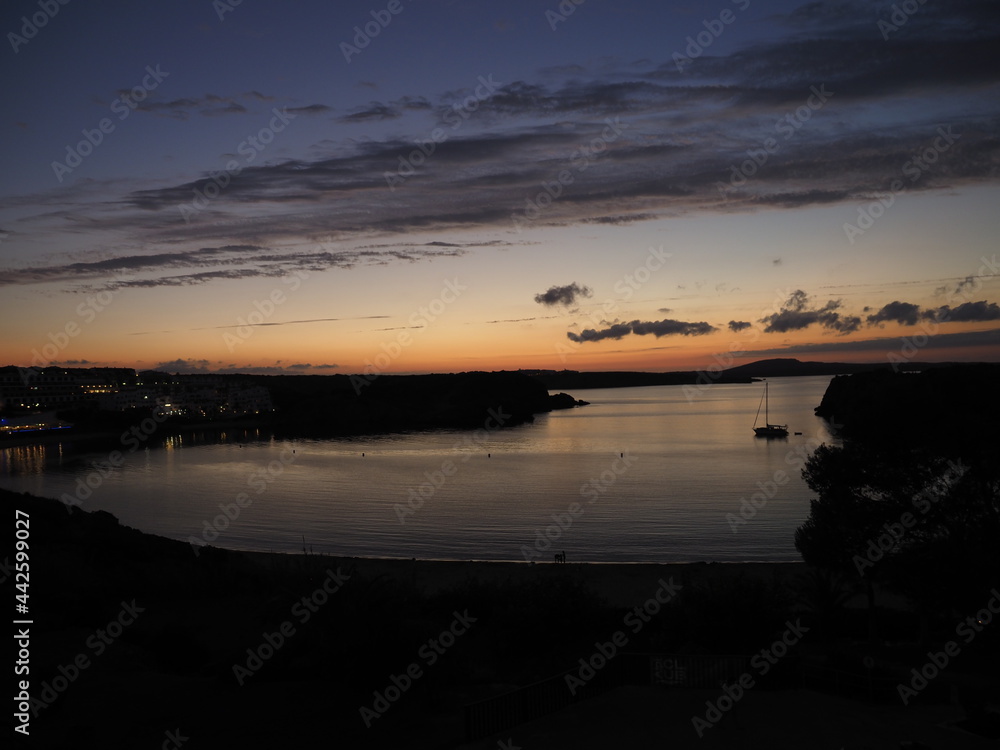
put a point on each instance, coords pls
(424, 186)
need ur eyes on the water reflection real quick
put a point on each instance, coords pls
(695, 462)
(27, 459)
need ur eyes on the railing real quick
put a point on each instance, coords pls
(695, 670)
(538, 699)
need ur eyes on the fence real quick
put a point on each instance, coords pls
(695, 671)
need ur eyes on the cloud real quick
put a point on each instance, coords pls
(268, 323)
(184, 366)
(233, 108)
(967, 281)
(657, 328)
(615, 331)
(563, 295)
(679, 135)
(739, 325)
(795, 314)
(205, 367)
(903, 313)
(908, 314)
(226, 262)
(621, 219)
(968, 312)
(293, 322)
(372, 113)
(668, 327)
(523, 320)
(312, 109)
(209, 105)
(987, 340)
(376, 111)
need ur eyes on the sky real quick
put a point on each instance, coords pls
(419, 186)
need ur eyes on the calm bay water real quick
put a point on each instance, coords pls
(688, 464)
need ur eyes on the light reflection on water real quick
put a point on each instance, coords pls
(485, 496)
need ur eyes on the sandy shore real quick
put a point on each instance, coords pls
(619, 584)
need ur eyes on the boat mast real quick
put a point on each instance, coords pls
(757, 415)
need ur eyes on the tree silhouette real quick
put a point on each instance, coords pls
(868, 515)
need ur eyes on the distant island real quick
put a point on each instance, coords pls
(765, 368)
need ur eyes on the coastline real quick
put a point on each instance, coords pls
(619, 584)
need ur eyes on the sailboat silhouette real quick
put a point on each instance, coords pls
(768, 430)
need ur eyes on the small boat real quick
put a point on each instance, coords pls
(768, 430)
